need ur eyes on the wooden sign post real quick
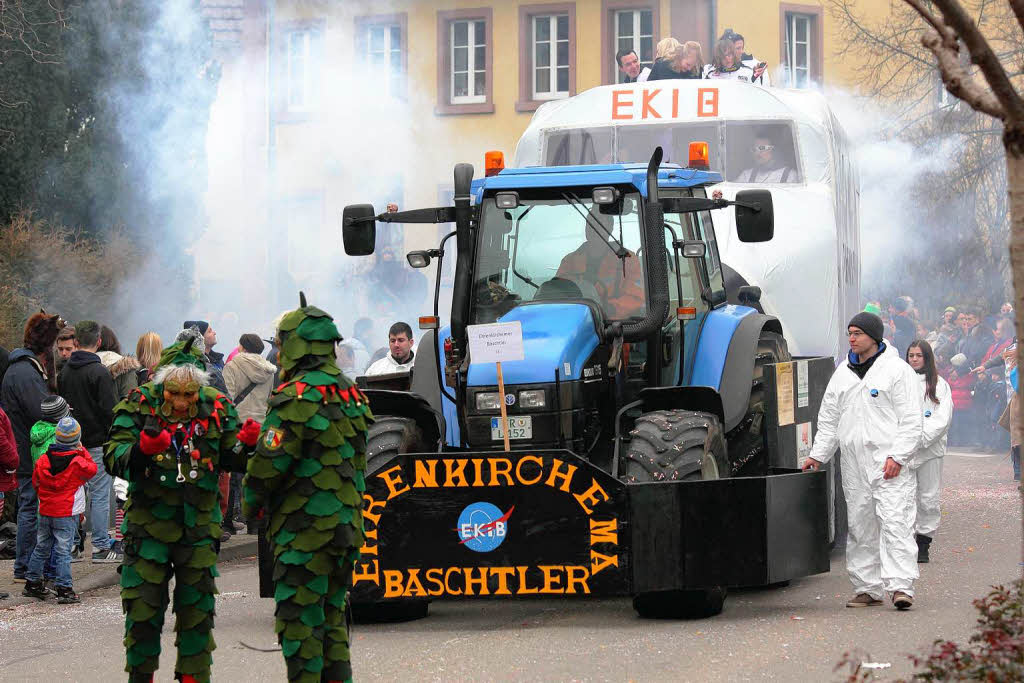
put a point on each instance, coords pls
(501, 402)
(495, 343)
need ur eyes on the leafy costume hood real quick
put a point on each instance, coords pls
(307, 337)
(182, 353)
(307, 475)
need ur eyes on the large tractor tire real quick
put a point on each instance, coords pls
(747, 439)
(674, 445)
(388, 436)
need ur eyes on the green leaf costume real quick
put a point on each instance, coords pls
(171, 519)
(307, 475)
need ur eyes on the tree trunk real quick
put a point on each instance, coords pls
(1013, 140)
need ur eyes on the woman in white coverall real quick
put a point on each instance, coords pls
(937, 411)
(872, 411)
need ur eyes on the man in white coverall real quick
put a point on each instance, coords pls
(872, 412)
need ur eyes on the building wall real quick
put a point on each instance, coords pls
(364, 145)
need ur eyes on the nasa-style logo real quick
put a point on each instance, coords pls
(927, 413)
(874, 393)
(483, 527)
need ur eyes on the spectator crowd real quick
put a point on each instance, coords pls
(57, 398)
(975, 352)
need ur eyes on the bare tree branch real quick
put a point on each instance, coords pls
(959, 23)
(1018, 9)
(958, 81)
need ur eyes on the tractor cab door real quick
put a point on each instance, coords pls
(691, 282)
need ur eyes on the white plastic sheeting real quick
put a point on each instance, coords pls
(810, 273)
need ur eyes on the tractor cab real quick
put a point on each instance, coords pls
(611, 271)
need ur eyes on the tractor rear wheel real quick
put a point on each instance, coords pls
(386, 437)
(672, 445)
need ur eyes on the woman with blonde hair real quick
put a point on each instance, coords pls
(147, 351)
(675, 60)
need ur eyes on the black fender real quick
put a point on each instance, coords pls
(701, 399)
(409, 405)
(739, 365)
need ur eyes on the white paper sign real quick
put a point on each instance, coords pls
(803, 395)
(495, 343)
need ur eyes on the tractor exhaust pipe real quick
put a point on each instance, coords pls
(657, 274)
(464, 255)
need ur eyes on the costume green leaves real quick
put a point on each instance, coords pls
(171, 522)
(307, 475)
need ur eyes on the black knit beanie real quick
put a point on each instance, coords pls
(870, 324)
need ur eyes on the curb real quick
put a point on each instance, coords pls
(231, 551)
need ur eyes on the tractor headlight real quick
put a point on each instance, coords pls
(488, 401)
(531, 399)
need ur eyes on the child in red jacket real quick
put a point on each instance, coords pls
(59, 477)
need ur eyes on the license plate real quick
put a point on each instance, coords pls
(518, 428)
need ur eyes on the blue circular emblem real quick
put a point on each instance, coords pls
(874, 393)
(927, 413)
(510, 399)
(482, 527)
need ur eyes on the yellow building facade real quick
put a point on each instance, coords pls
(331, 103)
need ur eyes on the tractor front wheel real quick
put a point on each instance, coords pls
(386, 437)
(673, 445)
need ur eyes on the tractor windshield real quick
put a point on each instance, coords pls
(559, 245)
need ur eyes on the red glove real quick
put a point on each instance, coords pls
(151, 444)
(249, 434)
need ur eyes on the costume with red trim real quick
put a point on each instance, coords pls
(307, 475)
(170, 441)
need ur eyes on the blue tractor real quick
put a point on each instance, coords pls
(653, 428)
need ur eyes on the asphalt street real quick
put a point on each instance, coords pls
(798, 632)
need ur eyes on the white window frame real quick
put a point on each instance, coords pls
(634, 38)
(473, 41)
(384, 57)
(307, 102)
(553, 65)
(793, 47)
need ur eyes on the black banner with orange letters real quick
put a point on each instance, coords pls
(498, 525)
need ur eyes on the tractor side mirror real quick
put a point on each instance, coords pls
(358, 229)
(755, 219)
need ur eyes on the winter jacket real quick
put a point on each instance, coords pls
(904, 334)
(216, 358)
(23, 391)
(662, 70)
(247, 369)
(961, 386)
(976, 344)
(89, 388)
(124, 370)
(42, 435)
(388, 365)
(59, 477)
(935, 423)
(8, 455)
(4, 355)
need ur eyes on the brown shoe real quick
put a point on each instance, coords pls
(902, 600)
(863, 600)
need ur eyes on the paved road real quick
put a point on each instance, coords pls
(793, 633)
